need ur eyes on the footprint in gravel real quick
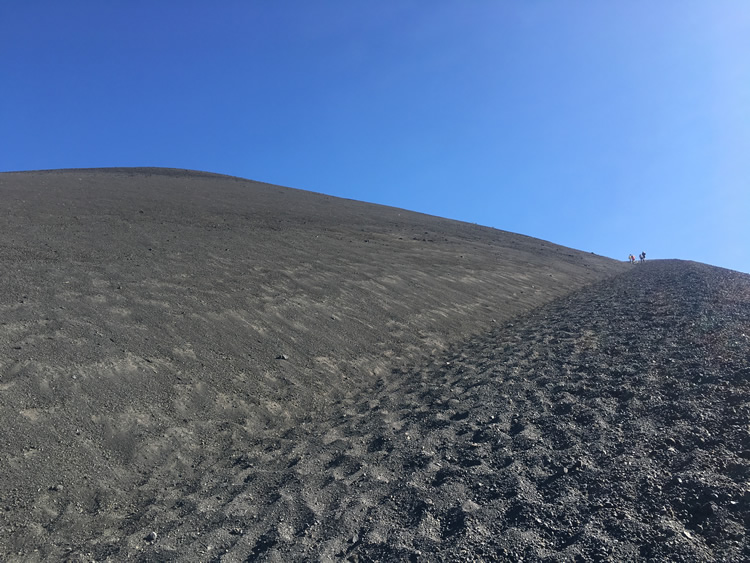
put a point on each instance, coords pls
(264, 543)
(379, 444)
(453, 523)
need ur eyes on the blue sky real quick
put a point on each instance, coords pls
(612, 127)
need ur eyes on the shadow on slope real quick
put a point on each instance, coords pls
(155, 322)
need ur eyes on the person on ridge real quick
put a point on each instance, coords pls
(642, 257)
(631, 258)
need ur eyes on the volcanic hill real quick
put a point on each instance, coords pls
(197, 367)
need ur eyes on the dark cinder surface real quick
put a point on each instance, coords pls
(203, 368)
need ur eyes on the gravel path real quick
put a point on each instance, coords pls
(611, 424)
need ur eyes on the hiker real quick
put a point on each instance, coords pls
(642, 257)
(631, 258)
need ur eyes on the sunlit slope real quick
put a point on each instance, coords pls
(213, 276)
(142, 309)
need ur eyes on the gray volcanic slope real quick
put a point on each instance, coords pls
(204, 368)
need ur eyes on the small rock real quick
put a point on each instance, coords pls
(282, 357)
(469, 506)
(152, 537)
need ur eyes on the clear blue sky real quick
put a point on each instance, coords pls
(612, 127)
